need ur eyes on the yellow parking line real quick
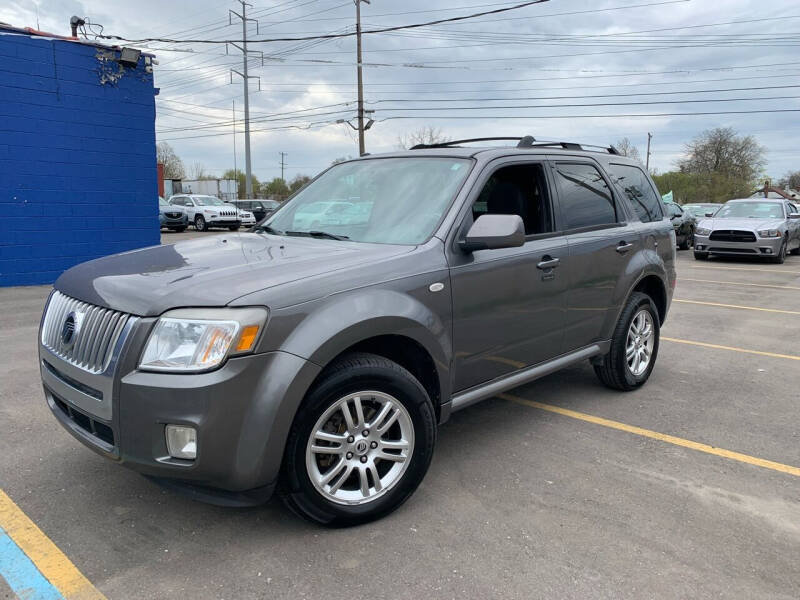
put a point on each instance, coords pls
(701, 266)
(51, 562)
(731, 348)
(663, 437)
(761, 285)
(772, 310)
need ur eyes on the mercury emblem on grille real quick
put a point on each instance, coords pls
(69, 331)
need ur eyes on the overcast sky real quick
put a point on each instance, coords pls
(457, 77)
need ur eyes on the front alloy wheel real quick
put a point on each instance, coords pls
(360, 448)
(360, 444)
(200, 223)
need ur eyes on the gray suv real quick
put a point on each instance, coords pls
(319, 362)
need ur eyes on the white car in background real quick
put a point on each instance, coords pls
(319, 214)
(247, 218)
(208, 211)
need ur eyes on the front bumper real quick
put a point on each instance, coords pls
(174, 222)
(761, 247)
(242, 413)
(224, 223)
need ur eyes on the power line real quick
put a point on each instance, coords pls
(340, 35)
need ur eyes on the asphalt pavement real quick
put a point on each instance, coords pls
(686, 488)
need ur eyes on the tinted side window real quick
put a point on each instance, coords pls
(517, 190)
(179, 201)
(585, 198)
(638, 190)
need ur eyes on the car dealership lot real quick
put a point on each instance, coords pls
(522, 500)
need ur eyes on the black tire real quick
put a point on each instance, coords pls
(701, 255)
(795, 252)
(234, 227)
(200, 223)
(781, 256)
(350, 374)
(613, 370)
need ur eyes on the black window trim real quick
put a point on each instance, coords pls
(620, 212)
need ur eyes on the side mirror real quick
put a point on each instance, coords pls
(709, 214)
(794, 215)
(491, 232)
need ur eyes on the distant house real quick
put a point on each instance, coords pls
(77, 153)
(776, 193)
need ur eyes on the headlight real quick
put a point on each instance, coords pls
(193, 340)
(769, 233)
(702, 231)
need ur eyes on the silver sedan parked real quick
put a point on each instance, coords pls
(750, 227)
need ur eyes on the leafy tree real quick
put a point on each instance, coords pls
(721, 151)
(239, 176)
(173, 165)
(275, 189)
(298, 182)
(790, 180)
(626, 148)
(702, 187)
(426, 135)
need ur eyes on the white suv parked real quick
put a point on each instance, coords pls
(208, 211)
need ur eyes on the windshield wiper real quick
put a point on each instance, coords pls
(268, 229)
(318, 234)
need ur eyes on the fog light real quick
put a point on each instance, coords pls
(182, 442)
(698, 247)
(767, 250)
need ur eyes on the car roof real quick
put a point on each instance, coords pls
(772, 200)
(487, 154)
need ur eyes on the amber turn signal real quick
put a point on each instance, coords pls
(247, 339)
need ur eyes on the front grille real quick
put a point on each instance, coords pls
(730, 235)
(95, 333)
(173, 215)
(94, 428)
(734, 250)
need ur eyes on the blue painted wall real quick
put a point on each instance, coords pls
(77, 157)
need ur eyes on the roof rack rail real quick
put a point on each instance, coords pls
(527, 141)
(455, 142)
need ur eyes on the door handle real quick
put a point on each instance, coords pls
(624, 247)
(548, 263)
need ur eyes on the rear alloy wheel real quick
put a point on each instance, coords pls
(200, 223)
(634, 346)
(360, 444)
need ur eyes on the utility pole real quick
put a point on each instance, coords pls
(235, 170)
(283, 163)
(649, 137)
(246, 78)
(361, 147)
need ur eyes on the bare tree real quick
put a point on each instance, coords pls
(426, 135)
(721, 151)
(626, 148)
(198, 171)
(173, 165)
(791, 180)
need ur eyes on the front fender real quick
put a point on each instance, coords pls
(321, 330)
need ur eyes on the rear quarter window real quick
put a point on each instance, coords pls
(638, 191)
(585, 199)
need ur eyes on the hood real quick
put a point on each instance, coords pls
(741, 224)
(170, 208)
(211, 271)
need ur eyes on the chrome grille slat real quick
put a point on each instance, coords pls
(97, 335)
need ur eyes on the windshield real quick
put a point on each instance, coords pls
(750, 210)
(387, 200)
(207, 201)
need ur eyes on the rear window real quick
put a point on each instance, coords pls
(584, 196)
(638, 190)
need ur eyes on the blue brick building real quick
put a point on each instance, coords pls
(77, 155)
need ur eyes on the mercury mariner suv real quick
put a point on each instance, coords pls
(319, 362)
